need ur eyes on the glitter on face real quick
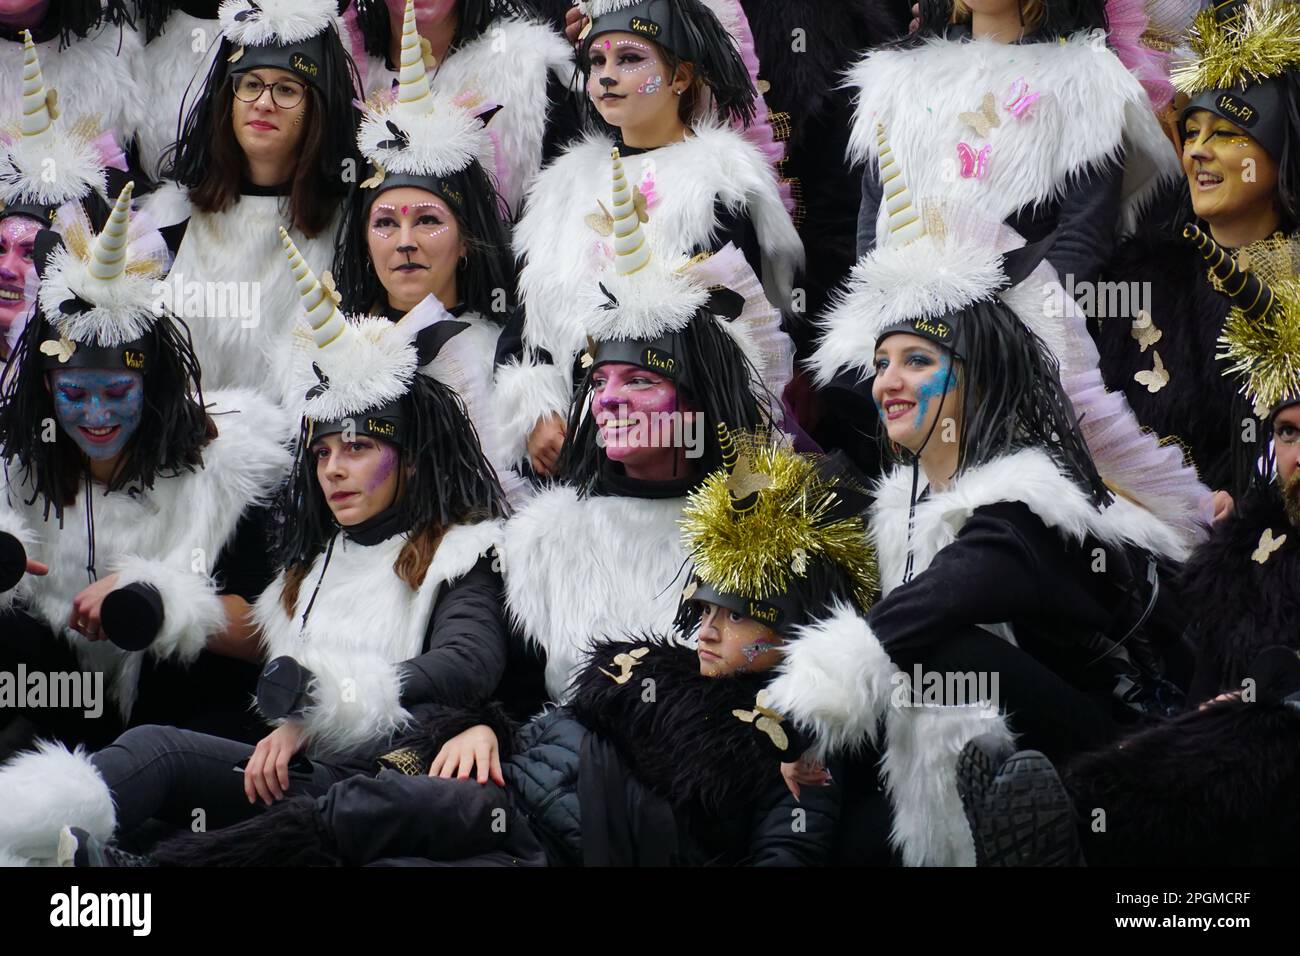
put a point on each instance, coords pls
(651, 86)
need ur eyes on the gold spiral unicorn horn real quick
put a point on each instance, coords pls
(903, 217)
(328, 326)
(412, 82)
(631, 250)
(36, 111)
(108, 254)
(1244, 289)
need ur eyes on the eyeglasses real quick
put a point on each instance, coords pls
(286, 94)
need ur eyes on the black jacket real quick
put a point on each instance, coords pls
(659, 770)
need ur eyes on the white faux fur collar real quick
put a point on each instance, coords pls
(1090, 107)
(563, 254)
(1029, 476)
(582, 571)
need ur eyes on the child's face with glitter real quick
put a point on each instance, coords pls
(630, 81)
(415, 246)
(731, 643)
(17, 240)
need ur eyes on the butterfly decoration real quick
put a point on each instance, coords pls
(610, 303)
(327, 282)
(1145, 331)
(75, 306)
(376, 179)
(251, 13)
(688, 592)
(586, 29)
(626, 662)
(765, 720)
(63, 349)
(799, 561)
(236, 56)
(1020, 98)
(1267, 545)
(1157, 378)
(589, 356)
(640, 203)
(52, 103)
(602, 222)
(743, 482)
(322, 385)
(426, 54)
(973, 164)
(763, 87)
(983, 119)
(400, 140)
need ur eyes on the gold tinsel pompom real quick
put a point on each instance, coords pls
(1266, 352)
(1259, 41)
(759, 553)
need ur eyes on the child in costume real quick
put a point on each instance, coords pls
(121, 527)
(386, 600)
(666, 78)
(668, 751)
(269, 143)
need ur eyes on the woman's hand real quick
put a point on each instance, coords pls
(1223, 506)
(267, 772)
(916, 19)
(807, 772)
(38, 568)
(476, 747)
(1233, 695)
(544, 444)
(574, 21)
(86, 607)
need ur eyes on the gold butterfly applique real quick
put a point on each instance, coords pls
(626, 662)
(1157, 378)
(236, 56)
(983, 119)
(639, 204)
(689, 591)
(376, 179)
(799, 561)
(766, 720)
(602, 222)
(327, 281)
(426, 53)
(589, 356)
(1144, 330)
(62, 349)
(52, 103)
(744, 481)
(1267, 545)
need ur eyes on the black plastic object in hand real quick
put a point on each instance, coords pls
(282, 689)
(131, 617)
(13, 561)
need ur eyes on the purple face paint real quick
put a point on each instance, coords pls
(383, 468)
(99, 409)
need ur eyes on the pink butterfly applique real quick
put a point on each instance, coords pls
(973, 165)
(1020, 99)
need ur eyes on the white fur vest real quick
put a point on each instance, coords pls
(168, 537)
(364, 623)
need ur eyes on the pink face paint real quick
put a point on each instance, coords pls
(17, 239)
(636, 412)
(606, 44)
(383, 469)
(404, 209)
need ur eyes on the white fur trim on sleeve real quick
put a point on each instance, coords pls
(192, 610)
(524, 394)
(43, 791)
(356, 700)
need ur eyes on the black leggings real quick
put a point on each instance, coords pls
(186, 778)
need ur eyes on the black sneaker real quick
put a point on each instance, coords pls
(78, 848)
(1026, 817)
(977, 766)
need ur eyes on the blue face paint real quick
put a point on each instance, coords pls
(936, 386)
(99, 409)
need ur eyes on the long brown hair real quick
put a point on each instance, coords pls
(219, 188)
(411, 566)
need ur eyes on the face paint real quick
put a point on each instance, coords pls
(752, 652)
(1230, 176)
(415, 245)
(651, 86)
(386, 466)
(935, 387)
(98, 409)
(17, 240)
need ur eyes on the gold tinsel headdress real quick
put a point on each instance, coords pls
(772, 528)
(1247, 43)
(1261, 337)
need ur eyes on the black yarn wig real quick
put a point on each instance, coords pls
(190, 159)
(723, 390)
(1012, 398)
(1060, 18)
(717, 64)
(448, 480)
(489, 265)
(475, 16)
(173, 429)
